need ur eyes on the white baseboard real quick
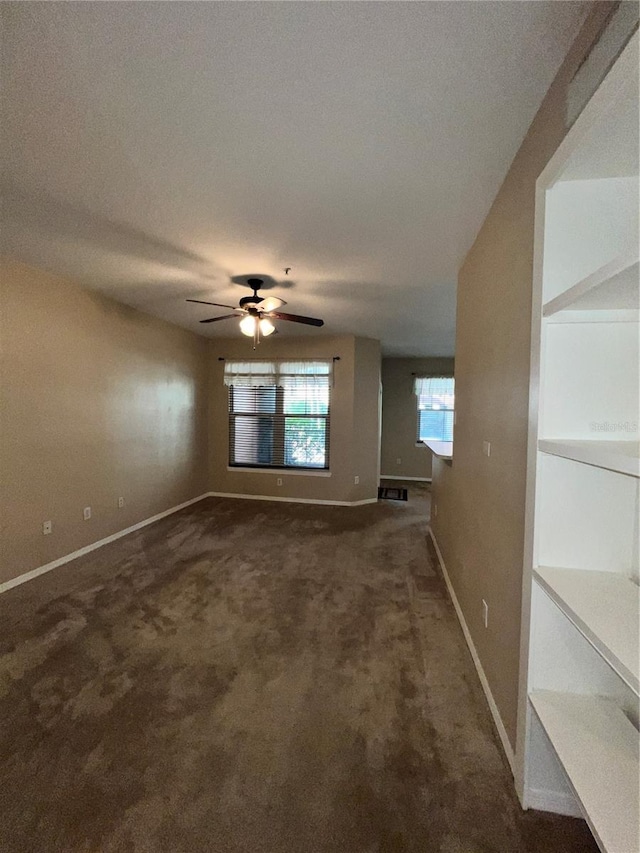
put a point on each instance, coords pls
(497, 719)
(41, 570)
(410, 479)
(47, 567)
(290, 500)
(553, 801)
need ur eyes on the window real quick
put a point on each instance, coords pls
(279, 414)
(435, 407)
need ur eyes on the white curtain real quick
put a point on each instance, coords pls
(438, 388)
(286, 374)
(250, 373)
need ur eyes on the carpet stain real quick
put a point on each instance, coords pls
(244, 677)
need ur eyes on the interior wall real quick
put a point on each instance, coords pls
(400, 415)
(481, 500)
(353, 448)
(97, 402)
(366, 418)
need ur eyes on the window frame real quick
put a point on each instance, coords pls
(279, 418)
(420, 441)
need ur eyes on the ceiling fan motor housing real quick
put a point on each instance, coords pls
(255, 284)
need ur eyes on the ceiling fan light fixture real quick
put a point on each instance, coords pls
(266, 327)
(248, 326)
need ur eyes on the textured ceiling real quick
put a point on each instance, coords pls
(157, 151)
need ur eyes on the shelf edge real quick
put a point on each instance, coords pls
(590, 282)
(629, 678)
(592, 453)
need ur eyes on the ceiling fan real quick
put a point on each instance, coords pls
(257, 312)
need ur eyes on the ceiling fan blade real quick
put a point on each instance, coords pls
(224, 317)
(217, 304)
(296, 318)
(271, 303)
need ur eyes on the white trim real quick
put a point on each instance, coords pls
(530, 550)
(553, 801)
(41, 570)
(280, 472)
(291, 500)
(497, 719)
(400, 477)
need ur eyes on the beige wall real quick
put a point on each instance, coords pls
(480, 522)
(354, 420)
(366, 418)
(97, 401)
(400, 417)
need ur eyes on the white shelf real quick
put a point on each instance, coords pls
(615, 286)
(598, 748)
(441, 449)
(605, 608)
(620, 456)
(596, 315)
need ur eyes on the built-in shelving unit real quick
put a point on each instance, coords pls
(578, 738)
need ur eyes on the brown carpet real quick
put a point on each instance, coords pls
(247, 677)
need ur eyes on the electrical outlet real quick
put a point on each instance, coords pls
(398, 461)
(486, 448)
(356, 480)
(86, 513)
(279, 481)
(120, 503)
(47, 527)
(485, 613)
(435, 510)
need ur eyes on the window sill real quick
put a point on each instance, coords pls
(281, 472)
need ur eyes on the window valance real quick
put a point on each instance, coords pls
(284, 374)
(435, 387)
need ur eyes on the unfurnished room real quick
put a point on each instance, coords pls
(319, 426)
